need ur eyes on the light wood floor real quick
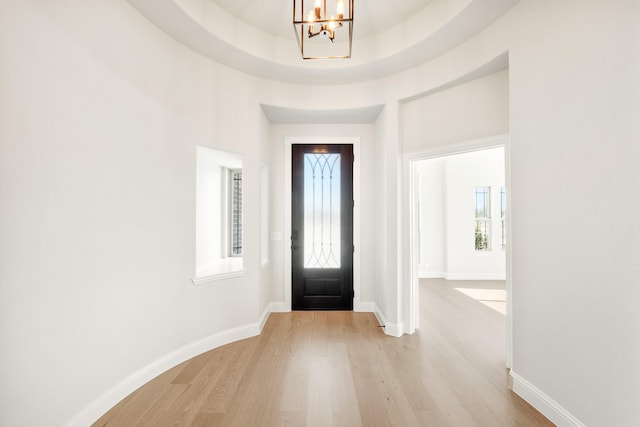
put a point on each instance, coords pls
(339, 369)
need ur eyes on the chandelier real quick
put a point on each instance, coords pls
(323, 32)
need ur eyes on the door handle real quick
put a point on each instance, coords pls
(294, 247)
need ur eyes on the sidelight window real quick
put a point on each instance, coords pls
(235, 229)
(483, 219)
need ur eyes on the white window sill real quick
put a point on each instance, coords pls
(225, 268)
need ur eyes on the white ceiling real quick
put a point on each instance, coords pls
(274, 16)
(257, 36)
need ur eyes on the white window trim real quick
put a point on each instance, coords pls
(224, 268)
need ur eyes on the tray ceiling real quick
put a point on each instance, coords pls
(257, 36)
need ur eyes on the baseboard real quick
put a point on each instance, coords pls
(362, 307)
(460, 276)
(108, 400)
(392, 329)
(474, 276)
(543, 403)
(264, 318)
(431, 274)
(376, 312)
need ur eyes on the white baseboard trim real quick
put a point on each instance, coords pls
(392, 329)
(474, 276)
(460, 276)
(279, 307)
(543, 403)
(108, 400)
(362, 307)
(431, 275)
(264, 318)
(376, 312)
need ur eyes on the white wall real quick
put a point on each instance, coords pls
(575, 85)
(447, 216)
(479, 108)
(264, 289)
(101, 116)
(465, 172)
(387, 254)
(432, 218)
(208, 209)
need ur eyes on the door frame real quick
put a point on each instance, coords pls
(286, 237)
(411, 245)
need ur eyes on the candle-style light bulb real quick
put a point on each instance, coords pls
(311, 19)
(317, 9)
(340, 8)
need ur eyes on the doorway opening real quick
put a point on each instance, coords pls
(288, 220)
(459, 224)
(322, 227)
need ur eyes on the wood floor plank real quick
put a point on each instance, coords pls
(224, 391)
(339, 369)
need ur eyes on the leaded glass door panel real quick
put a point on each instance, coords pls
(322, 227)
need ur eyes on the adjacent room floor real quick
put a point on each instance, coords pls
(339, 369)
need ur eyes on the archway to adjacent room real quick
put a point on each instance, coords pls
(459, 225)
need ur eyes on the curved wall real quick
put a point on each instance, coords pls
(97, 183)
(206, 28)
(101, 116)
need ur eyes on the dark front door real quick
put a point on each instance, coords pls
(322, 227)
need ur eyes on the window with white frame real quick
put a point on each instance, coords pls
(483, 219)
(235, 229)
